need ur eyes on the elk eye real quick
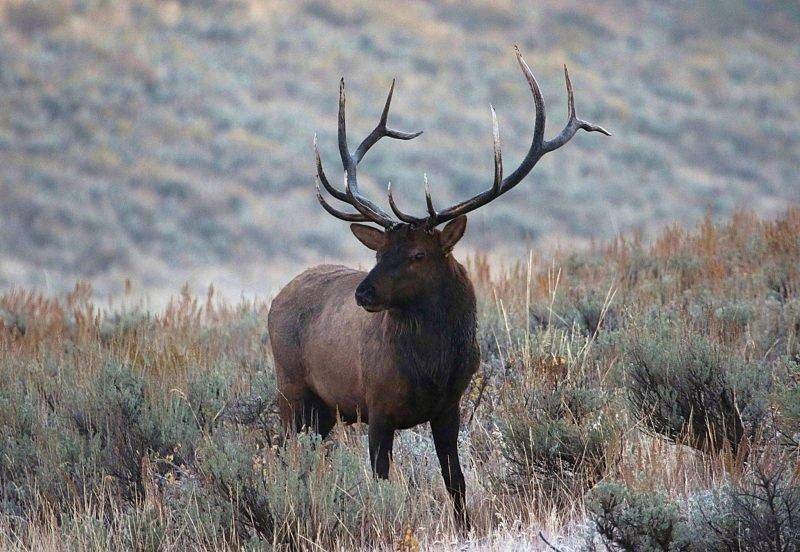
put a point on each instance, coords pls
(418, 256)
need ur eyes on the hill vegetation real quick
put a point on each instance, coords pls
(166, 141)
(631, 397)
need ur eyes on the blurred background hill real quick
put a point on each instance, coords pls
(171, 141)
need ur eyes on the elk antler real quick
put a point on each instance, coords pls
(367, 210)
(539, 147)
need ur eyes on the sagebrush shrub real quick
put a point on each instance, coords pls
(558, 437)
(116, 412)
(686, 387)
(590, 312)
(635, 521)
(302, 490)
(761, 512)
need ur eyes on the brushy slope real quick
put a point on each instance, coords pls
(171, 140)
(645, 396)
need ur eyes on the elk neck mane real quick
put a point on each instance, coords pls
(429, 338)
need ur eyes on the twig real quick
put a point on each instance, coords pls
(541, 536)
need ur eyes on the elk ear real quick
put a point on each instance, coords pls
(452, 232)
(369, 236)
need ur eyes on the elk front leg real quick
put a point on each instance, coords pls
(445, 438)
(381, 438)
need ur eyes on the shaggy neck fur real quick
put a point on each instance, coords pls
(429, 336)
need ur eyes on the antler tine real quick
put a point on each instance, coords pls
(538, 99)
(535, 152)
(341, 196)
(570, 95)
(396, 210)
(344, 152)
(434, 218)
(349, 217)
(432, 214)
(573, 123)
(382, 130)
(498, 156)
(539, 147)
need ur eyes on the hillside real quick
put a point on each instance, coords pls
(166, 141)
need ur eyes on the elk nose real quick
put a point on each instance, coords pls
(365, 294)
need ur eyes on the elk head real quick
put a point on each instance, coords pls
(412, 255)
(411, 263)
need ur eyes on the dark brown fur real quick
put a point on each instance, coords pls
(406, 363)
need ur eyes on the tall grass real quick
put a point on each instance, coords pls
(606, 376)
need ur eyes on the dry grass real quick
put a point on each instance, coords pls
(128, 429)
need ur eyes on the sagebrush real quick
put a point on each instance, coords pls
(626, 379)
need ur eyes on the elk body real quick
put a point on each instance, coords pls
(394, 347)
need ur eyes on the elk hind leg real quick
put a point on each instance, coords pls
(305, 411)
(320, 417)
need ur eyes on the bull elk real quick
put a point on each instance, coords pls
(394, 347)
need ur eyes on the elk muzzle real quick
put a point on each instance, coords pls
(366, 297)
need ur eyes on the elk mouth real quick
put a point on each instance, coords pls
(369, 305)
(373, 308)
